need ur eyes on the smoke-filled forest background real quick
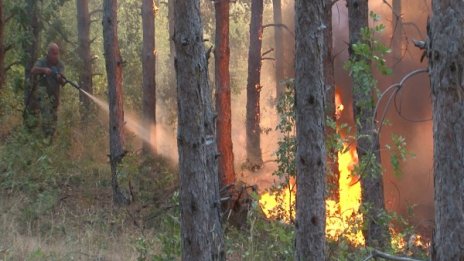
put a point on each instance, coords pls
(56, 200)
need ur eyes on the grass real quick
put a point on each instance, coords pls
(56, 203)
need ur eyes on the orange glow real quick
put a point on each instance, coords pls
(343, 218)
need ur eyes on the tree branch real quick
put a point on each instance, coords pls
(376, 253)
(7, 48)
(279, 25)
(267, 58)
(267, 52)
(11, 65)
(8, 18)
(96, 11)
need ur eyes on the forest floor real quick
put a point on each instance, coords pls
(56, 203)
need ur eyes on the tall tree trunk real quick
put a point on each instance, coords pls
(172, 47)
(446, 63)
(85, 64)
(310, 155)
(2, 46)
(332, 157)
(375, 232)
(149, 82)
(279, 49)
(223, 97)
(31, 48)
(397, 36)
(113, 62)
(171, 93)
(253, 129)
(201, 230)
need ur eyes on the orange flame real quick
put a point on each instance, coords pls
(341, 216)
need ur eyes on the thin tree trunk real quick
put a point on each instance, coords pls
(201, 230)
(375, 232)
(446, 61)
(397, 36)
(31, 48)
(310, 156)
(172, 47)
(149, 82)
(253, 129)
(85, 65)
(278, 46)
(2, 46)
(332, 157)
(113, 62)
(223, 97)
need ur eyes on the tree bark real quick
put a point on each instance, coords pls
(310, 156)
(223, 96)
(279, 49)
(85, 64)
(397, 36)
(332, 157)
(2, 46)
(375, 233)
(446, 64)
(149, 82)
(31, 47)
(172, 48)
(113, 63)
(201, 230)
(253, 129)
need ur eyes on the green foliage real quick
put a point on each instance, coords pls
(367, 52)
(170, 239)
(398, 153)
(262, 240)
(286, 152)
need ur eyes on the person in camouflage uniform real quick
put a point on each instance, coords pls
(47, 73)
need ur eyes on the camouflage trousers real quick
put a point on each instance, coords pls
(42, 110)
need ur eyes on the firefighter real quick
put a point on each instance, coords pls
(47, 72)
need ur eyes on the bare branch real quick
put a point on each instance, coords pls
(8, 18)
(11, 65)
(396, 89)
(93, 40)
(376, 253)
(267, 58)
(96, 11)
(267, 52)
(279, 25)
(7, 48)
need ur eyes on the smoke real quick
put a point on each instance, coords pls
(414, 188)
(160, 136)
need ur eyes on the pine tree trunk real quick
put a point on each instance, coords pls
(223, 97)
(172, 48)
(2, 46)
(149, 82)
(201, 230)
(332, 157)
(446, 63)
(31, 48)
(253, 129)
(113, 62)
(310, 156)
(278, 46)
(85, 64)
(375, 232)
